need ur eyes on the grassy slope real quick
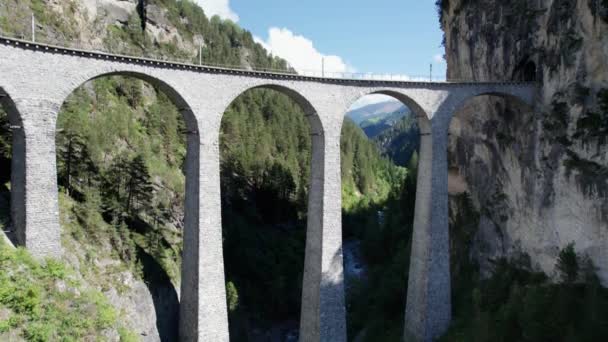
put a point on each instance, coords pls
(45, 301)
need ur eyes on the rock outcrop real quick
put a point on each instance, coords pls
(539, 176)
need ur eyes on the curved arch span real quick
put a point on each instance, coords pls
(512, 96)
(418, 205)
(310, 111)
(9, 106)
(188, 307)
(176, 98)
(422, 116)
(313, 220)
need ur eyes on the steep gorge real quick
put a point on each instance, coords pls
(116, 129)
(548, 165)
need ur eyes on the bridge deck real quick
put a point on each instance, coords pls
(24, 44)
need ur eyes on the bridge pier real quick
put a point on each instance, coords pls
(428, 309)
(323, 315)
(203, 308)
(34, 200)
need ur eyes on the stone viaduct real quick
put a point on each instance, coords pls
(36, 79)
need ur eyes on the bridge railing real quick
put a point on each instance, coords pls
(195, 60)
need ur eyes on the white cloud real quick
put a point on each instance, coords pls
(304, 57)
(372, 99)
(218, 7)
(301, 53)
(395, 77)
(438, 58)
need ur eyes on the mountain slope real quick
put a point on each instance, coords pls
(391, 126)
(120, 156)
(374, 111)
(378, 123)
(399, 141)
(46, 301)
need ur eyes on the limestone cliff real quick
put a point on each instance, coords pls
(539, 176)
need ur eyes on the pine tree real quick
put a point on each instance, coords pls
(113, 187)
(139, 188)
(74, 159)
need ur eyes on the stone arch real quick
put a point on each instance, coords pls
(315, 200)
(507, 95)
(422, 116)
(317, 134)
(520, 95)
(168, 89)
(516, 97)
(425, 161)
(16, 231)
(310, 111)
(9, 106)
(188, 300)
(482, 128)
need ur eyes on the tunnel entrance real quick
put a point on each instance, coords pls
(526, 71)
(530, 72)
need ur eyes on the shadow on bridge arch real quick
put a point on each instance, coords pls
(487, 133)
(271, 148)
(12, 171)
(489, 122)
(127, 164)
(380, 145)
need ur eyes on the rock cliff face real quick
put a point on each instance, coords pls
(88, 24)
(539, 176)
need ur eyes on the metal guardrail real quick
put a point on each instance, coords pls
(192, 63)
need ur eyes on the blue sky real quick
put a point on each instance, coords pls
(379, 36)
(371, 36)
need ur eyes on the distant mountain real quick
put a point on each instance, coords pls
(374, 111)
(399, 141)
(390, 125)
(380, 122)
